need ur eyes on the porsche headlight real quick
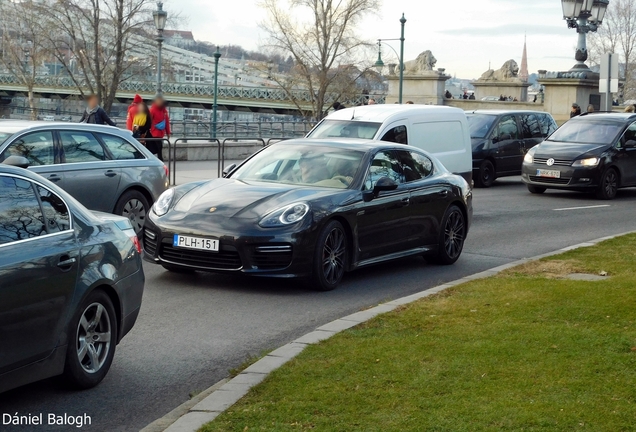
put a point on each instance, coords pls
(163, 203)
(529, 157)
(285, 216)
(589, 162)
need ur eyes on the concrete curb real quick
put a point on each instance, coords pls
(223, 397)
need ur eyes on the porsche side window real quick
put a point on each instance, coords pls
(384, 164)
(397, 135)
(416, 166)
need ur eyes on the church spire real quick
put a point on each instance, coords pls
(523, 73)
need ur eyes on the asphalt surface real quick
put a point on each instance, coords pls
(193, 329)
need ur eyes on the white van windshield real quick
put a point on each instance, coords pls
(345, 129)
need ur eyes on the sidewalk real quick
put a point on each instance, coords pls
(189, 171)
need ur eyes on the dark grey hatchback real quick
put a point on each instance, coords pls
(71, 283)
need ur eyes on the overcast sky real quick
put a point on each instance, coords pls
(464, 35)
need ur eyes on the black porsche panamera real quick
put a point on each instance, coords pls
(315, 209)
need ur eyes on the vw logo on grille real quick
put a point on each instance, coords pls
(549, 162)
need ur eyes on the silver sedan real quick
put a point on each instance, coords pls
(103, 167)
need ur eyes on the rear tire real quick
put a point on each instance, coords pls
(608, 188)
(91, 342)
(486, 175)
(536, 189)
(451, 237)
(330, 257)
(134, 206)
(177, 269)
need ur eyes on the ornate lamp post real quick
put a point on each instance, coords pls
(585, 16)
(217, 56)
(379, 64)
(160, 16)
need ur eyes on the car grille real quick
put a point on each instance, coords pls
(271, 257)
(547, 180)
(559, 162)
(150, 242)
(221, 260)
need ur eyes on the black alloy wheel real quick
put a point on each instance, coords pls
(452, 236)
(330, 259)
(92, 341)
(536, 189)
(486, 176)
(609, 185)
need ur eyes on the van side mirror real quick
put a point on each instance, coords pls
(227, 170)
(17, 161)
(630, 144)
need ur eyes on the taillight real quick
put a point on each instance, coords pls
(167, 171)
(135, 241)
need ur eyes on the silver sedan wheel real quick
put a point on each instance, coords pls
(135, 211)
(93, 337)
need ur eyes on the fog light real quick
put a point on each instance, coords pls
(584, 179)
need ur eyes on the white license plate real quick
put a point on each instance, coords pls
(195, 243)
(549, 173)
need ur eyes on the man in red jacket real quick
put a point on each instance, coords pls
(132, 111)
(160, 126)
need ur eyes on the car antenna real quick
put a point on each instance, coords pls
(353, 114)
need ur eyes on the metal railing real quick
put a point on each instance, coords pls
(191, 89)
(237, 128)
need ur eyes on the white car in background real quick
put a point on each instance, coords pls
(48, 118)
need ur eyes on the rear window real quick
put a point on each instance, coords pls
(587, 132)
(345, 129)
(480, 124)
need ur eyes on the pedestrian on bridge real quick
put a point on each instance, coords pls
(132, 111)
(160, 126)
(94, 114)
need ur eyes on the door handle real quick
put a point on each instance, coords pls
(443, 193)
(54, 178)
(110, 173)
(405, 201)
(66, 262)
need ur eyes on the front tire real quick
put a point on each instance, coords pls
(536, 189)
(486, 175)
(134, 206)
(452, 235)
(608, 188)
(92, 341)
(330, 257)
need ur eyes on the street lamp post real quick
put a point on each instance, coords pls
(217, 56)
(379, 64)
(585, 16)
(160, 16)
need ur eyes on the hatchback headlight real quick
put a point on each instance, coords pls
(285, 215)
(529, 157)
(163, 203)
(589, 162)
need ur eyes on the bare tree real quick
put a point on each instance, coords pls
(617, 34)
(23, 50)
(324, 46)
(96, 41)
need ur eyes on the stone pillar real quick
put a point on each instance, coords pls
(562, 89)
(426, 88)
(515, 89)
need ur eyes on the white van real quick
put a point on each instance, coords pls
(441, 131)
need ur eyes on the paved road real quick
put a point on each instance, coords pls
(193, 329)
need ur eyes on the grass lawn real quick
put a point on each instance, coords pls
(523, 351)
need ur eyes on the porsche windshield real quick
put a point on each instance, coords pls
(587, 132)
(303, 165)
(345, 129)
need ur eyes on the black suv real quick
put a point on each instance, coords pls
(500, 140)
(589, 153)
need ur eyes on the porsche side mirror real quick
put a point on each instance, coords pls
(384, 184)
(227, 170)
(17, 161)
(630, 144)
